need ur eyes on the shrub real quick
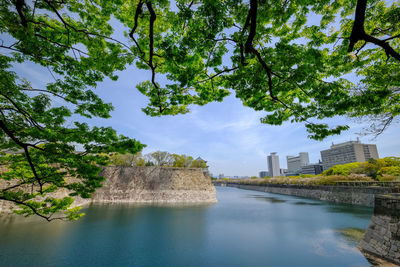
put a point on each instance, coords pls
(307, 175)
(344, 169)
(388, 178)
(391, 170)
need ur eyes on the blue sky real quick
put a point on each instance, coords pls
(227, 134)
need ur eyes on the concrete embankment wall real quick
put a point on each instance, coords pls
(151, 184)
(382, 238)
(340, 194)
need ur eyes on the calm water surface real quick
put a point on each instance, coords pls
(245, 228)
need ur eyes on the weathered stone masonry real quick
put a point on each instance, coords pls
(153, 185)
(340, 194)
(382, 237)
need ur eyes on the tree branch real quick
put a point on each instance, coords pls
(252, 17)
(358, 32)
(19, 5)
(137, 13)
(218, 73)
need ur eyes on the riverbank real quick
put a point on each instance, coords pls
(381, 242)
(356, 195)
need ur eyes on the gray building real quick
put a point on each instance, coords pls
(351, 151)
(263, 174)
(295, 163)
(315, 168)
(273, 165)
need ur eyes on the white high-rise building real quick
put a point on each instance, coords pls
(273, 165)
(294, 163)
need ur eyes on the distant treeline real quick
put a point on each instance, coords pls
(158, 158)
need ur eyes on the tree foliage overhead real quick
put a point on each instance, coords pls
(39, 127)
(291, 59)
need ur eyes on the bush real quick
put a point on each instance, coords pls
(392, 170)
(333, 179)
(344, 169)
(388, 178)
(307, 175)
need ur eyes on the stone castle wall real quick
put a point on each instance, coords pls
(155, 185)
(382, 238)
(151, 184)
(340, 194)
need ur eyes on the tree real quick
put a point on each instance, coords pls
(288, 58)
(198, 164)
(182, 160)
(160, 158)
(39, 133)
(127, 159)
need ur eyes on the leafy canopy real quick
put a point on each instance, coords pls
(291, 59)
(39, 124)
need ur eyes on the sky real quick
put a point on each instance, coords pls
(228, 135)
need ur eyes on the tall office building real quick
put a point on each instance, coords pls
(294, 163)
(273, 165)
(352, 151)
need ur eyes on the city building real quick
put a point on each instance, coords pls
(220, 176)
(263, 174)
(351, 151)
(295, 163)
(313, 168)
(273, 165)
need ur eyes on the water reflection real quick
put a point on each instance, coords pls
(243, 229)
(307, 203)
(356, 211)
(267, 199)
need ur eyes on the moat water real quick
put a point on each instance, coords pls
(245, 228)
